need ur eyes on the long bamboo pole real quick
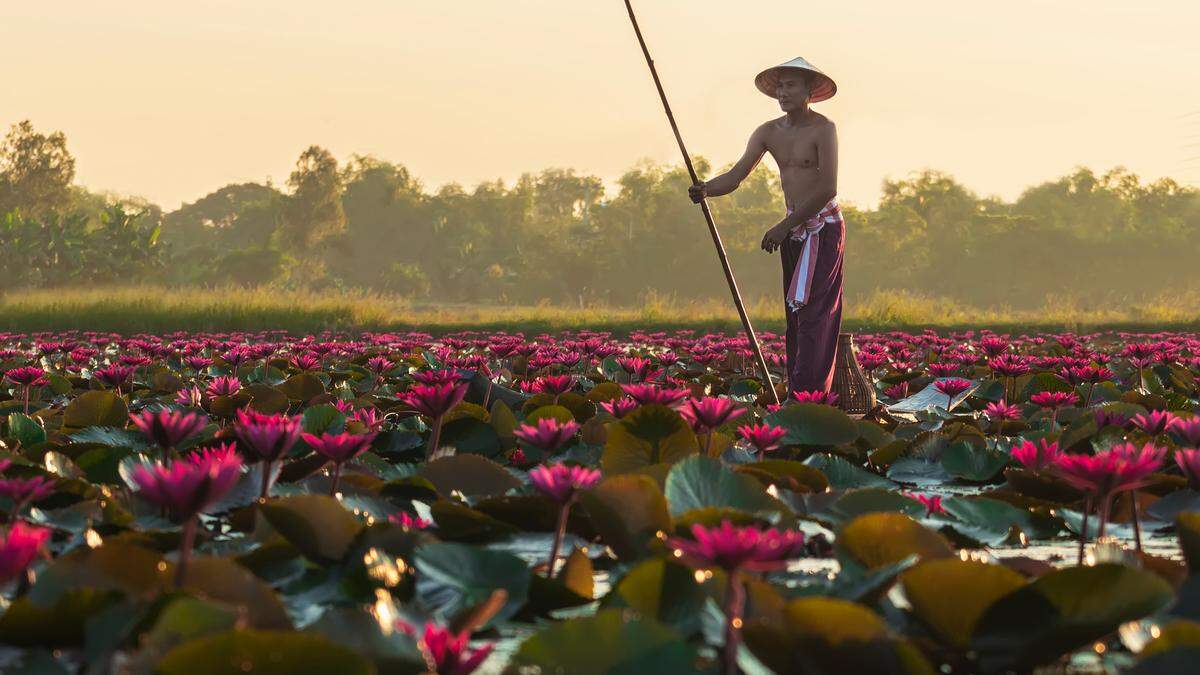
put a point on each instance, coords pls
(712, 226)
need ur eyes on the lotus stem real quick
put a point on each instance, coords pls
(487, 394)
(27, 401)
(559, 532)
(1087, 509)
(735, 601)
(1137, 527)
(185, 550)
(266, 479)
(337, 473)
(1091, 391)
(1105, 507)
(708, 443)
(434, 438)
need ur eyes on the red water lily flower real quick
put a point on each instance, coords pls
(547, 434)
(1105, 417)
(191, 397)
(1154, 422)
(1002, 410)
(224, 386)
(732, 548)
(560, 482)
(267, 438)
(649, 394)
(822, 397)
(1187, 430)
(952, 387)
(22, 491)
(1188, 460)
(407, 522)
(555, 385)
(26, 376)
(19, 547)
(116, 377)
(168, 428)
(434, 400)
(619, 407)
(764, 437)
(188, 486)
(897, 391)
(445, 651)
(436, 377)
(339, 449)
(709, 412)
(1036, 456)
(1053, 400)
(1124, 467)
(932, 503)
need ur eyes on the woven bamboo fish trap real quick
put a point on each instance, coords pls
(855, 392)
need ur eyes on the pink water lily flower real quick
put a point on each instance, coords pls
(649, 394)
(338, 448)
(267, 438)
(408, 522)
(1002, 410)
(445, 651)
(1187, 429)
(709, 412)
(619, 407)
(1188, 460)
(764, 437)
(224, 386)
(547, 434)
(22, 491)
(168, 428)
(1036, 456)
(560, 482)
(731, 547)
(952, 387)
(19, 547)
(188, 486)
(822, 397)
(1154, 422)
(932, 503)
(434, 400)
(1053, 400)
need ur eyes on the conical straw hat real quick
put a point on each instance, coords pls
(821, 86)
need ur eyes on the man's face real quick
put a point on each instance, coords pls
(792, 91)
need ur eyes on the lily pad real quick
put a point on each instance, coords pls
(263, 653)
(650, 435)
(612, 642)
(471, 475)
(627, 512)
(878, 539)
(317, 525)
(703, 482)
(454, 577)
(814, 424)
(949, 595)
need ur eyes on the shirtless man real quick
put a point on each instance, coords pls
(811, 237)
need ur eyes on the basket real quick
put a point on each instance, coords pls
(855, 391)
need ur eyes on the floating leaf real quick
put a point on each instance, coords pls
(950, 595)
(814, 424)
(95, 408)
(471, 475)
(263, 653)
(877, 539)
(843, 475)
(611, 642)
(702, 482)
(650, 435)
(317, 525)
(1064, 610)
(627, 511)
(453, 577)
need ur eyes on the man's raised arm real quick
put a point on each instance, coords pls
(729, 181)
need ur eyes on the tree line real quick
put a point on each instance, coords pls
(559, 236)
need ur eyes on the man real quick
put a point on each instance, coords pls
(812, 235)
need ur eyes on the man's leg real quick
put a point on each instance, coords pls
(813, 330)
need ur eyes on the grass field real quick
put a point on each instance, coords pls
(130, 309)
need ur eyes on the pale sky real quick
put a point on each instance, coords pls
(171, 99)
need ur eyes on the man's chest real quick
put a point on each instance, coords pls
(794, 148)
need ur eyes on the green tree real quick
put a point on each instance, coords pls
(36, 171)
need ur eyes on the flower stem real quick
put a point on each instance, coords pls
(1137, 527)
(434, 438)
(266, 479)
(185, 550)
(1105, 506)
(27, 401)
(1087, 509)
(735, 601)
(559, 533)
(337, 473)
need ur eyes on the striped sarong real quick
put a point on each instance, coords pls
(809, 232)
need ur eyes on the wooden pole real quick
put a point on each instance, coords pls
(712, 226)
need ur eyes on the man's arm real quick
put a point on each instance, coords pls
(729, 181)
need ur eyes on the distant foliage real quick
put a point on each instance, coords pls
(1090, 241)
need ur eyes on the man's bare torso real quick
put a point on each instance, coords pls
(794, 149)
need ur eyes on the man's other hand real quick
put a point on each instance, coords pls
(696, 193)
(773, 239)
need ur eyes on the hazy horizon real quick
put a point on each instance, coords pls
(172, 102)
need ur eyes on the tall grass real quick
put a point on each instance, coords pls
(130, 309)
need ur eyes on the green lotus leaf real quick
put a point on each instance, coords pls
(1187, 527)
(225, 581)
(949, 595)
(627, 511)
(552, 412)
(612, 642)
(317, 525)
(264, 653)
(842, 475)
(790, 474)
(470, 436)
(702, 482)
(650, 435)
(95, 408)
(1062, 611)
(471, 475)
(814, 424)
(877, 539)
(302, 387)
(453, 577)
